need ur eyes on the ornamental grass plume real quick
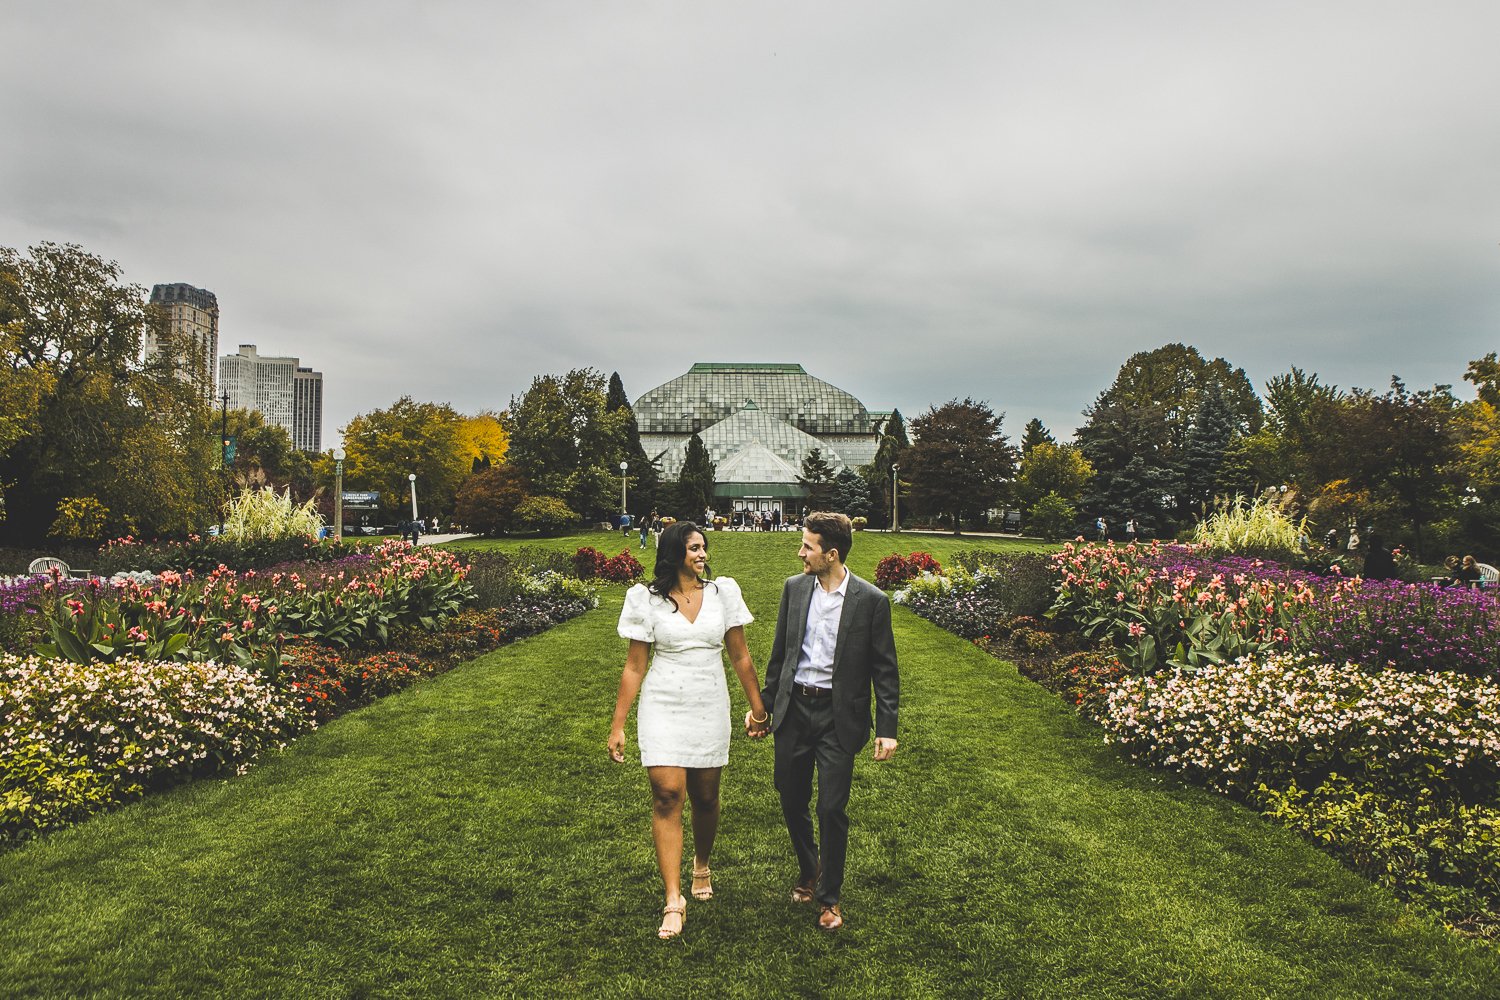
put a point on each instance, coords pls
(1263, 527)
(265, 514)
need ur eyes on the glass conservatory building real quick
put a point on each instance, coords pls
(758, 422)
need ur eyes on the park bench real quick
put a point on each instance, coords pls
(46, 564)
(1489, 576)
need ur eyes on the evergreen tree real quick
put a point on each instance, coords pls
(1208, 439)
(817, 476)
(850, 494)
(695, 484)
(1035, 433)
(645, 476)
(877, 475)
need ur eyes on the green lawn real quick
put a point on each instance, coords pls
(469, 837)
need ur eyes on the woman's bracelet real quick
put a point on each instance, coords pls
(764, 718)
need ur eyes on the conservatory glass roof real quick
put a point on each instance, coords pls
(708, 393)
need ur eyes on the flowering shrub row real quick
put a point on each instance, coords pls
(1171, 606)
(894, 570)
(230, 616)
(1395, 772)
(589, 564)
(75, 738)
(78, 737)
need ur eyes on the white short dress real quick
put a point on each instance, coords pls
(683, 717)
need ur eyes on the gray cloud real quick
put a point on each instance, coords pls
(916, 201)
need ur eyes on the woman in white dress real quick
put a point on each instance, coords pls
(679, 626)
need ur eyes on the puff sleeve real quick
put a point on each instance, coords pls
(635, 617)
(736, 612)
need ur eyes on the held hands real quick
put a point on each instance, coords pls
(617, 745)
(885, 748)
(757, 730)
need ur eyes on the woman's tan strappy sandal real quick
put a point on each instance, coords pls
(679, 908)
(704, 875)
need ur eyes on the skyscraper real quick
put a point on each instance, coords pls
(307, 410)
(191, 336)
(264, 384)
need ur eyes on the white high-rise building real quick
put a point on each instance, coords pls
(307, 410)
(191, 333)
(264, 384)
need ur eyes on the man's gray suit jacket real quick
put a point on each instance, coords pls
(864, 660)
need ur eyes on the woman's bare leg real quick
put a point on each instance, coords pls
(668, 788)
(703, 792)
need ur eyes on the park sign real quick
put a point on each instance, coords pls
(361, 499)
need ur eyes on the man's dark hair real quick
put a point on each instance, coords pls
(833, 530)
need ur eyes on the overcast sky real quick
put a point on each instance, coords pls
(917, 201)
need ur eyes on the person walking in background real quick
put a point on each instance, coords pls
(1379, 564)
(834, 646)
(1130, 530)
(1102, 528)
(414, 526)
(679, 626)
(646, 525)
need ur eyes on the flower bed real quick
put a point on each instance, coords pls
(151, 699)
(75, 738)
(1396, 773)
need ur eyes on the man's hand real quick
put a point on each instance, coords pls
(884, 748)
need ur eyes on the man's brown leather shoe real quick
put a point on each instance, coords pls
(831, 918)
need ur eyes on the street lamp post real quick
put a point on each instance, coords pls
(895, 498)
(338, 494)
(412, 478)
(624, 466)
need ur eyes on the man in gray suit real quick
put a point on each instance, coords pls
(833, 648)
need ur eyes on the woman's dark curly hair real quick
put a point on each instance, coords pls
(671, 553)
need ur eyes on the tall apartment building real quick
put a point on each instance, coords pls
(264, 384)
(191, 336)
(307, 410)
(284, 393)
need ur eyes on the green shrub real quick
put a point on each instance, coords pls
(545, 515)
(1051, 518)
(42, 786)
(1439, 852)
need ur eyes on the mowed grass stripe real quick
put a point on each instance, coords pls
(468, 837)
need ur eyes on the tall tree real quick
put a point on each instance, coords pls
(1144, 418)
(1035, 433)
(566, 442)
(1212, 429)
(695, 483)
(384, 447)
(849, 494)
(97, 423)
(264, 455)
(645, 477)
(1058, 469)
(817, 476)
(960, 463)
(877, 475)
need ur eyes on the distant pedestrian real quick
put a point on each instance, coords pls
(1102, 528)
(415, 527)
(1379, 564)
(646, 524)
(776, 519)
(1130, 530)
(1353, 545)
